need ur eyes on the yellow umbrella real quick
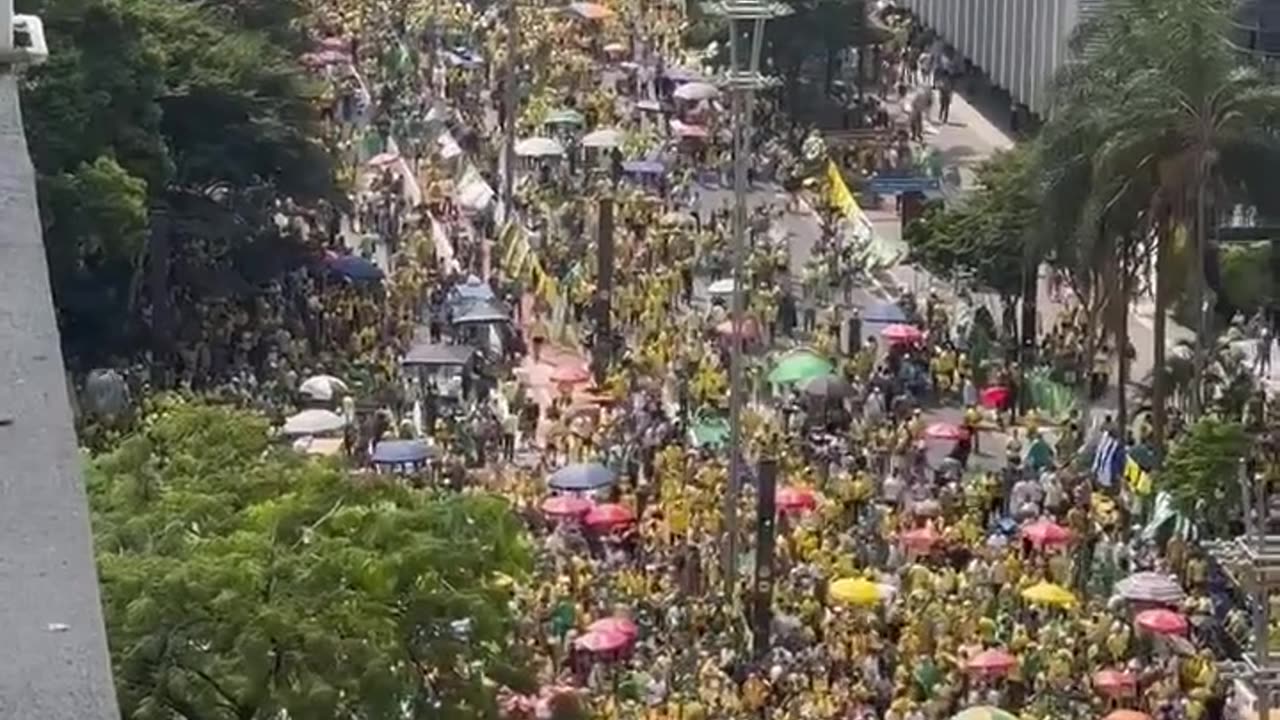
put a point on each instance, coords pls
(1047, 593)
(855, 591)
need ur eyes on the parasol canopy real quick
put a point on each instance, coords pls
(383, 159)
(795, 499)
(565, 116)
(996, 396)
(313, 422)
(682, 74)
(984, 712)
(689, 132)
(602, 642)
(619, 625)
(602, 138)
(615, 48)
(696, 91)
(992, 662)
(438, 355)
(539, 147)
(1150, 586)
(855, 591)
(945, 431)
(354, 267)
(589, 10)
(798, 367)
(482, 314)
(1046, 533)
(643, 167)
(609, 516)
(322, 387)
(570, 375)
(582, 476)
(750, 329)
(1114, 683)
(922, 538)
(723, 286)
(902, 334)
(1161, 622)
(1047, 593)
(1126, 714)
(566, 506)
(827, 386)
(397, 452)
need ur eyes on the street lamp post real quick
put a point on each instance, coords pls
(746, 20)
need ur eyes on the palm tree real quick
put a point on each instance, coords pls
(1181, 122)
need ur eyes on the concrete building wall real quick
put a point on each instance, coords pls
(1020, 44)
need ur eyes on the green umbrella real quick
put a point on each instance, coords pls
(798, 367)
(565, 116)
(709, 431)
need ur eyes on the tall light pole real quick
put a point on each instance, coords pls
(746, 20)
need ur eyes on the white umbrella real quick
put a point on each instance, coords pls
(723, 286)
(696, 91)
(322, 387)
(313, 422)
(602, 138)
(539, 147)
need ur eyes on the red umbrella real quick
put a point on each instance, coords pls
(995, 396)
(609, 516)
(602, 641)
(794, 499)
(1124, 714)
(566, 506)
(570, 375)
(945, 431)
(1161, 621)
(992, 662)
(1114, 683)
(920, 538)
(1044, 532)
(619, 625)
(900, 334)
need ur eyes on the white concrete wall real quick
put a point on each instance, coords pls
(1019, 43)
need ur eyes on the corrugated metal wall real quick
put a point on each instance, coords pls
(1019, 43)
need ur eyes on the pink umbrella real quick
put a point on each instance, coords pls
(590, 10)
(602, 641)
(902, 334)
(566, 506)
(1045, 533)
(995, 396)
(992, 662)
(609, 516)
(689, 132)
(619, 625)
(920, 538)
(945, 431)
(794, 499)
(335, 43)
(1161, 622)
(383, 159)
(749, 328)
(1114, 683)
(570, 375)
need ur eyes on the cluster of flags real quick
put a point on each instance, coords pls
(519, 259)
(1112, 462)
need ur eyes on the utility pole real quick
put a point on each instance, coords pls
(510, 98)
(602, 348)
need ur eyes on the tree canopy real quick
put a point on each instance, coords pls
(986, 235)
(191, 108)
(1201, 474)
(241, 580)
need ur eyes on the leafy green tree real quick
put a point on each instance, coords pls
(1201, 474)
(243, 581)
(196, 111)
(987, 235)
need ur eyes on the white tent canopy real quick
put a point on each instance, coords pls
(539, 147)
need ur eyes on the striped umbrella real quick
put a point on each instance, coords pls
(1151, 587)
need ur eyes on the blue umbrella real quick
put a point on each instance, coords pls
(582, 476)
(396, 452)
(643, 167)
(354, 267)
(885, 312)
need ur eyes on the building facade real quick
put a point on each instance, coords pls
(1019, 44)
